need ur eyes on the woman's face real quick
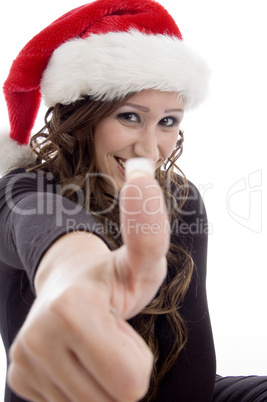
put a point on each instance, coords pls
(146, 125)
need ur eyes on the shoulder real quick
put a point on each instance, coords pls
(194, 201)
(188, 198)
(189, 224)
(21, 181)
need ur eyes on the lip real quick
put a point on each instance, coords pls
(120, 168)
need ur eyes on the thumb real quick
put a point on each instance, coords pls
(143, 213)
(145, 232)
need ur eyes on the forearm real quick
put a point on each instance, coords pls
(64, 260)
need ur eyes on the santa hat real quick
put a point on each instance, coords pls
(105, 49)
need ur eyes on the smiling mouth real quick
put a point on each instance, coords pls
(121, 161)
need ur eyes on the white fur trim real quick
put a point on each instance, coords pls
(110, 66)
(12, 154)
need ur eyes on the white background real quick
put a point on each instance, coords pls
(224, 155)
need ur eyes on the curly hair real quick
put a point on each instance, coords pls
(65, 149)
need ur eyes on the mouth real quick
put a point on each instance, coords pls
(121, 164)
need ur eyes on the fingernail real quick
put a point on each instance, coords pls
(137, 167)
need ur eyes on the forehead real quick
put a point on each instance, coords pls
(154, 97)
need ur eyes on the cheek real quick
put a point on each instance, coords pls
(104, 142)
(109, 138)
(168, 144)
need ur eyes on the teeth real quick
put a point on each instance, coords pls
(121, 162)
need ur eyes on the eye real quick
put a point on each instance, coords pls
(131, 117)
(169, 121)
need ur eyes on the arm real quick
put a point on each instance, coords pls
(76, 328)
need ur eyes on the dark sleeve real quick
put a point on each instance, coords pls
(33, 216)
(192, 376)
(240, 389)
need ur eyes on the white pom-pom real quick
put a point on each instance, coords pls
(12, 154)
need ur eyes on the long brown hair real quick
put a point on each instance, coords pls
(65, 148)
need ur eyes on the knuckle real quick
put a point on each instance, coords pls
(61, 305)
(12, 377)
(18, 350)
(63, 308)
(17, 371)
(135, 383)
(134, 388)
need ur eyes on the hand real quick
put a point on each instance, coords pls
(75, 344)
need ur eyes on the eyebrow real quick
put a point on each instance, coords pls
(174, 110)
(146, 109)
(143, 108)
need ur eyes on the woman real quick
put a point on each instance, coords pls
(97, 255)
(129, 131)
(101, 114)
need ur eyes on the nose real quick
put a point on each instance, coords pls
(146, 144)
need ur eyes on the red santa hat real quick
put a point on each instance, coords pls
(105, 49)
